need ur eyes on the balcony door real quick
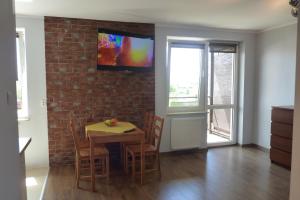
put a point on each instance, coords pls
(221, 98)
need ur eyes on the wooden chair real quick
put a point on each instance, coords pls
(148, 123)
(151, 150)
(82, 149)
(147, 126)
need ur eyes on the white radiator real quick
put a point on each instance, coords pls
(188, 132)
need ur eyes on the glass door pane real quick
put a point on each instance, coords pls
(220, 122)
(220, 88)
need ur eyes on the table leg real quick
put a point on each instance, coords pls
(92, 163)
(142, 161)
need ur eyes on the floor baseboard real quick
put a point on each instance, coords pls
(252, 145)
(203, 150)
(184, 151)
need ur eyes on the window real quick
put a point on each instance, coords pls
(185, 70)
(21, 84)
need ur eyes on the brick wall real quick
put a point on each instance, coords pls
(74, 84)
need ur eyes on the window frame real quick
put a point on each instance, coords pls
(23, 113)
(201, 108)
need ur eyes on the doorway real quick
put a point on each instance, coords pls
(221, 94)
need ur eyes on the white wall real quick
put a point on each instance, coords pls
(36, 127)
(295, 175)
(246, 73)
(275, 77)
(10, 175)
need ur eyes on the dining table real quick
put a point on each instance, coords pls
(100, 133)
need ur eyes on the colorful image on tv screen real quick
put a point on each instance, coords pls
(118, 50)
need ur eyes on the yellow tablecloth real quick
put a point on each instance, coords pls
(121, 127)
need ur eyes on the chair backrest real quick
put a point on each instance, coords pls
(146, 118)
(90, 119)
(148, 123)
(74, 133)
(157, 128)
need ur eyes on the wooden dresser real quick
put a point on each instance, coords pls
(282, 135)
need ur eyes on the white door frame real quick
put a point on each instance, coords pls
(233, 106)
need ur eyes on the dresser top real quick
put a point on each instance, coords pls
(284, 107)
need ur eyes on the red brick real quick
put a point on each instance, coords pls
(74, 84)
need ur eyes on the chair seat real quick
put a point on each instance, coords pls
(148, 148)
(98, 152)
(130, 143)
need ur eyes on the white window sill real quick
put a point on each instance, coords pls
(186, 113)
(22, 119)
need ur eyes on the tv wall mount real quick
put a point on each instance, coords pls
(295, 7)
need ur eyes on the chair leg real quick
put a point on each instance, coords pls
(93, 171)
(126, 161)
(103, 166)
(107, 167)
(122, 153)
(78, 171)
(75, 164)
(124, 157)
(133, 166)
(158, 163)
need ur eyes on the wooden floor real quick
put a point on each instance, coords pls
(230, 173)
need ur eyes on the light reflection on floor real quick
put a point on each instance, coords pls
(211, 138)
(35, 182)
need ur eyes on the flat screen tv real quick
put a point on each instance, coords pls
(124, 51)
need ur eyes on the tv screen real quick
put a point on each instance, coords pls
(124, 51)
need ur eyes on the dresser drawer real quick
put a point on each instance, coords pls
(281, 143)
(280, 157)
(282, 115)
(282, 130)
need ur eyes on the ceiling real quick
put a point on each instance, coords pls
(235, 14)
